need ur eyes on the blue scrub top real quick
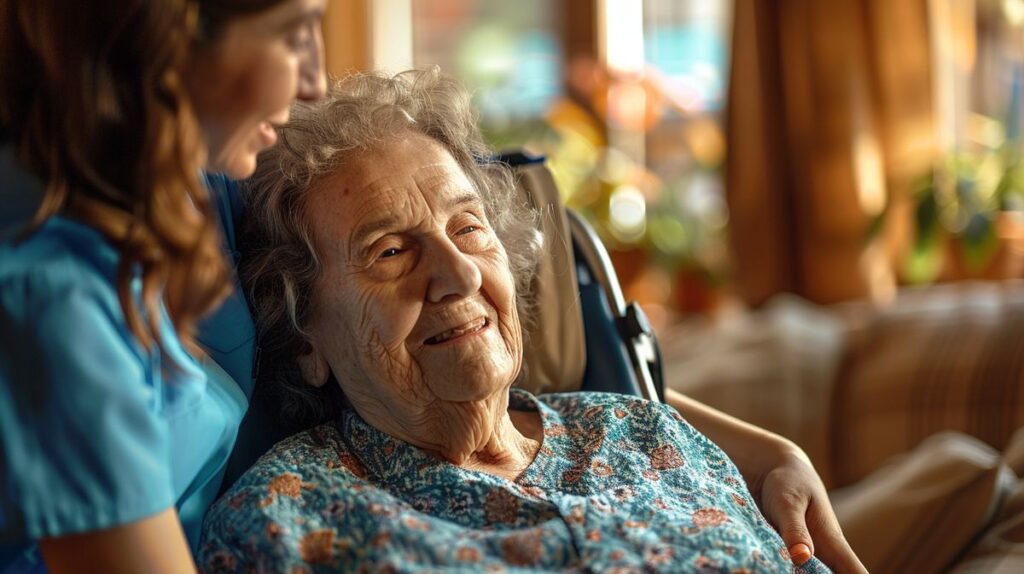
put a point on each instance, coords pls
(95, 430)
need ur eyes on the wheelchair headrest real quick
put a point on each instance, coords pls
(555, 354)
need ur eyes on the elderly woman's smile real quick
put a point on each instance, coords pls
(415, 304)
(458, 334)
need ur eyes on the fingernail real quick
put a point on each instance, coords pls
(800, 553)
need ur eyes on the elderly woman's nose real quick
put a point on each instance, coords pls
(452, 273)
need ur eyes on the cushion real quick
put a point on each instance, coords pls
(1001, 548)
(774, 368)
(922, 510)
(941, 358)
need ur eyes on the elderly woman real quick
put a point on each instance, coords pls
(389, 272)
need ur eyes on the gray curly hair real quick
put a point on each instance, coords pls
(279, 263)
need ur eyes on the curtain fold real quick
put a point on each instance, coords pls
(828, 122)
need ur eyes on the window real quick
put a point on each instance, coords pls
(507, 53)
(631, 124)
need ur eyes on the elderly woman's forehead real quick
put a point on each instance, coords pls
(402, 164)
(367, 190)
(399, 148)
(428, 176)
(430, 188)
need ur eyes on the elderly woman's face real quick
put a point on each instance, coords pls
(416, 299)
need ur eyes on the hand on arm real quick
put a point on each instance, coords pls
(154, 544)
(782, 480)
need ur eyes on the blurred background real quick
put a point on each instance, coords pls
(730, 151)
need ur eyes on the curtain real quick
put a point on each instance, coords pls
(829, 122)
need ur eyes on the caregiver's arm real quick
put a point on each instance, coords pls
(155, 544)
(781, 478)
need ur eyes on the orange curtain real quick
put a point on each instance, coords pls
(829, 121)
(346, 37)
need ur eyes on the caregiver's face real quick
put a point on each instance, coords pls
(242, 84)
(416, 295)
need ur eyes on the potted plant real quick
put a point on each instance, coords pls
(969, 219)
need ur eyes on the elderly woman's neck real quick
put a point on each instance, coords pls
(485, 436)
(481, 435)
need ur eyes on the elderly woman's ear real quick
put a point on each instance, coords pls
(313, 366)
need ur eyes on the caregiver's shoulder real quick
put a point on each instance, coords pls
(61, 260)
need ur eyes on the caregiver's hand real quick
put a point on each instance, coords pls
(794, 500)
(782, 480)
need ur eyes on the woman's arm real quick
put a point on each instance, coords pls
(154, 544)
(781, 478)
(751, 447)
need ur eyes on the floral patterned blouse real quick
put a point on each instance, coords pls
(618, 485)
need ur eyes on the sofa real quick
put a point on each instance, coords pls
(910, 411)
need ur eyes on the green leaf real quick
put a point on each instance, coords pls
(924, 263)
(978, 242)
(926, 218)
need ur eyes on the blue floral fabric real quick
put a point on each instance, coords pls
(619, 485)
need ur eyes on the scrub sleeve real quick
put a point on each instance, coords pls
(95, 430)
(82, 447)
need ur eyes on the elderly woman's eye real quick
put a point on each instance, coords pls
(389, 253)
(467, 229)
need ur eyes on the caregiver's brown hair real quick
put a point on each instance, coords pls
(93, 102)
(280, 264)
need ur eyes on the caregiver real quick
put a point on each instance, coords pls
(112, 439)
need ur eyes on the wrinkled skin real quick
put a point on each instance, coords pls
(408, 259)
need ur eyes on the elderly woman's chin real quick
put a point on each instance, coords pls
(471, 367)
